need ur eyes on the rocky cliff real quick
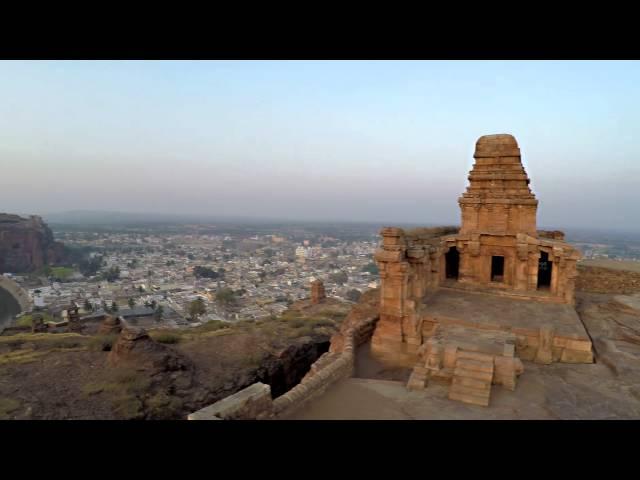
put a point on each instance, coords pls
(26, 244)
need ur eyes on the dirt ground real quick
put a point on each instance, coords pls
(625, 265)
(67, 376)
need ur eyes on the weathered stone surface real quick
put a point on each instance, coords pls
(254, 402)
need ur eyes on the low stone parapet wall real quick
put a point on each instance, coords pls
(253, 402)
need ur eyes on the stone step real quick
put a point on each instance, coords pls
(417, 382)
(475, 365)
(475, 374)
(477, 356)
(455, 387)
(469, 395)
(471, 383)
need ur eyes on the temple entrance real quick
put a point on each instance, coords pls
(497, 269)
(452, 260)
(544, 271)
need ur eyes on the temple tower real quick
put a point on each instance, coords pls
(498, 199)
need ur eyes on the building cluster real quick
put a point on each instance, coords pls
(236, 277)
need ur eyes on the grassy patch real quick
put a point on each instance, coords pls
(20, 356)
(252, 359)
(298, 323)
(332, 314)
(210, 326)
(102, 343)
(163, 406)
(27, 320)
(165, 337)
(120, 381)
(62, 272)
(8, 405)
(305, 331)
(127, 406)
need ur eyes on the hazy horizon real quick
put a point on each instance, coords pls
(353, 141)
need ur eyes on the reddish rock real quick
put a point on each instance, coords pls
(26, 244)
(136, 347)
(110, 325)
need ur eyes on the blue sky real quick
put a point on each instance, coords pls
(319, 140)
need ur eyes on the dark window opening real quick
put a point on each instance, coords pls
(544, 270)
(16, 246)
(497, 269)
(452, 260)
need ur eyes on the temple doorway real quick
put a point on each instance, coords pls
(497, 268)
(544, 271)
(452, 259)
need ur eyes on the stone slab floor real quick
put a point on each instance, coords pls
(608, 389)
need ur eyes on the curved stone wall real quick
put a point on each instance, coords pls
(21, 296)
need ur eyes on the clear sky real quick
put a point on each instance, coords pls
(318, 140)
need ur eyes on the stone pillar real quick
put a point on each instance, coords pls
(570, 274)
(521, 280)
(73, 318)
(388, 341)
(544, 354)
(534, 259)
(317, 292)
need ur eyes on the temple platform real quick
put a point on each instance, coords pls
(532, 323)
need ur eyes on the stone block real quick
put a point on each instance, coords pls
(576, 356)
(248, 403)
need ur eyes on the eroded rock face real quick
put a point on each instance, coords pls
(26, 244)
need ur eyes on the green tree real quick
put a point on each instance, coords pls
(112, 274)
(158, 313)
(114, 306)
(340, 278)
(353, 295)
(153, 304)
(372, 268)
(206, 272)
(225, 297)
(105, 307)
(87, 306)
(132, 303)
(141, 289)
(197, 308)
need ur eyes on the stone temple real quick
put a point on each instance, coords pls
(466, 305)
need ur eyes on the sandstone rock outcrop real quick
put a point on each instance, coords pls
(110, 325)
(135, 346)
(26, 244)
